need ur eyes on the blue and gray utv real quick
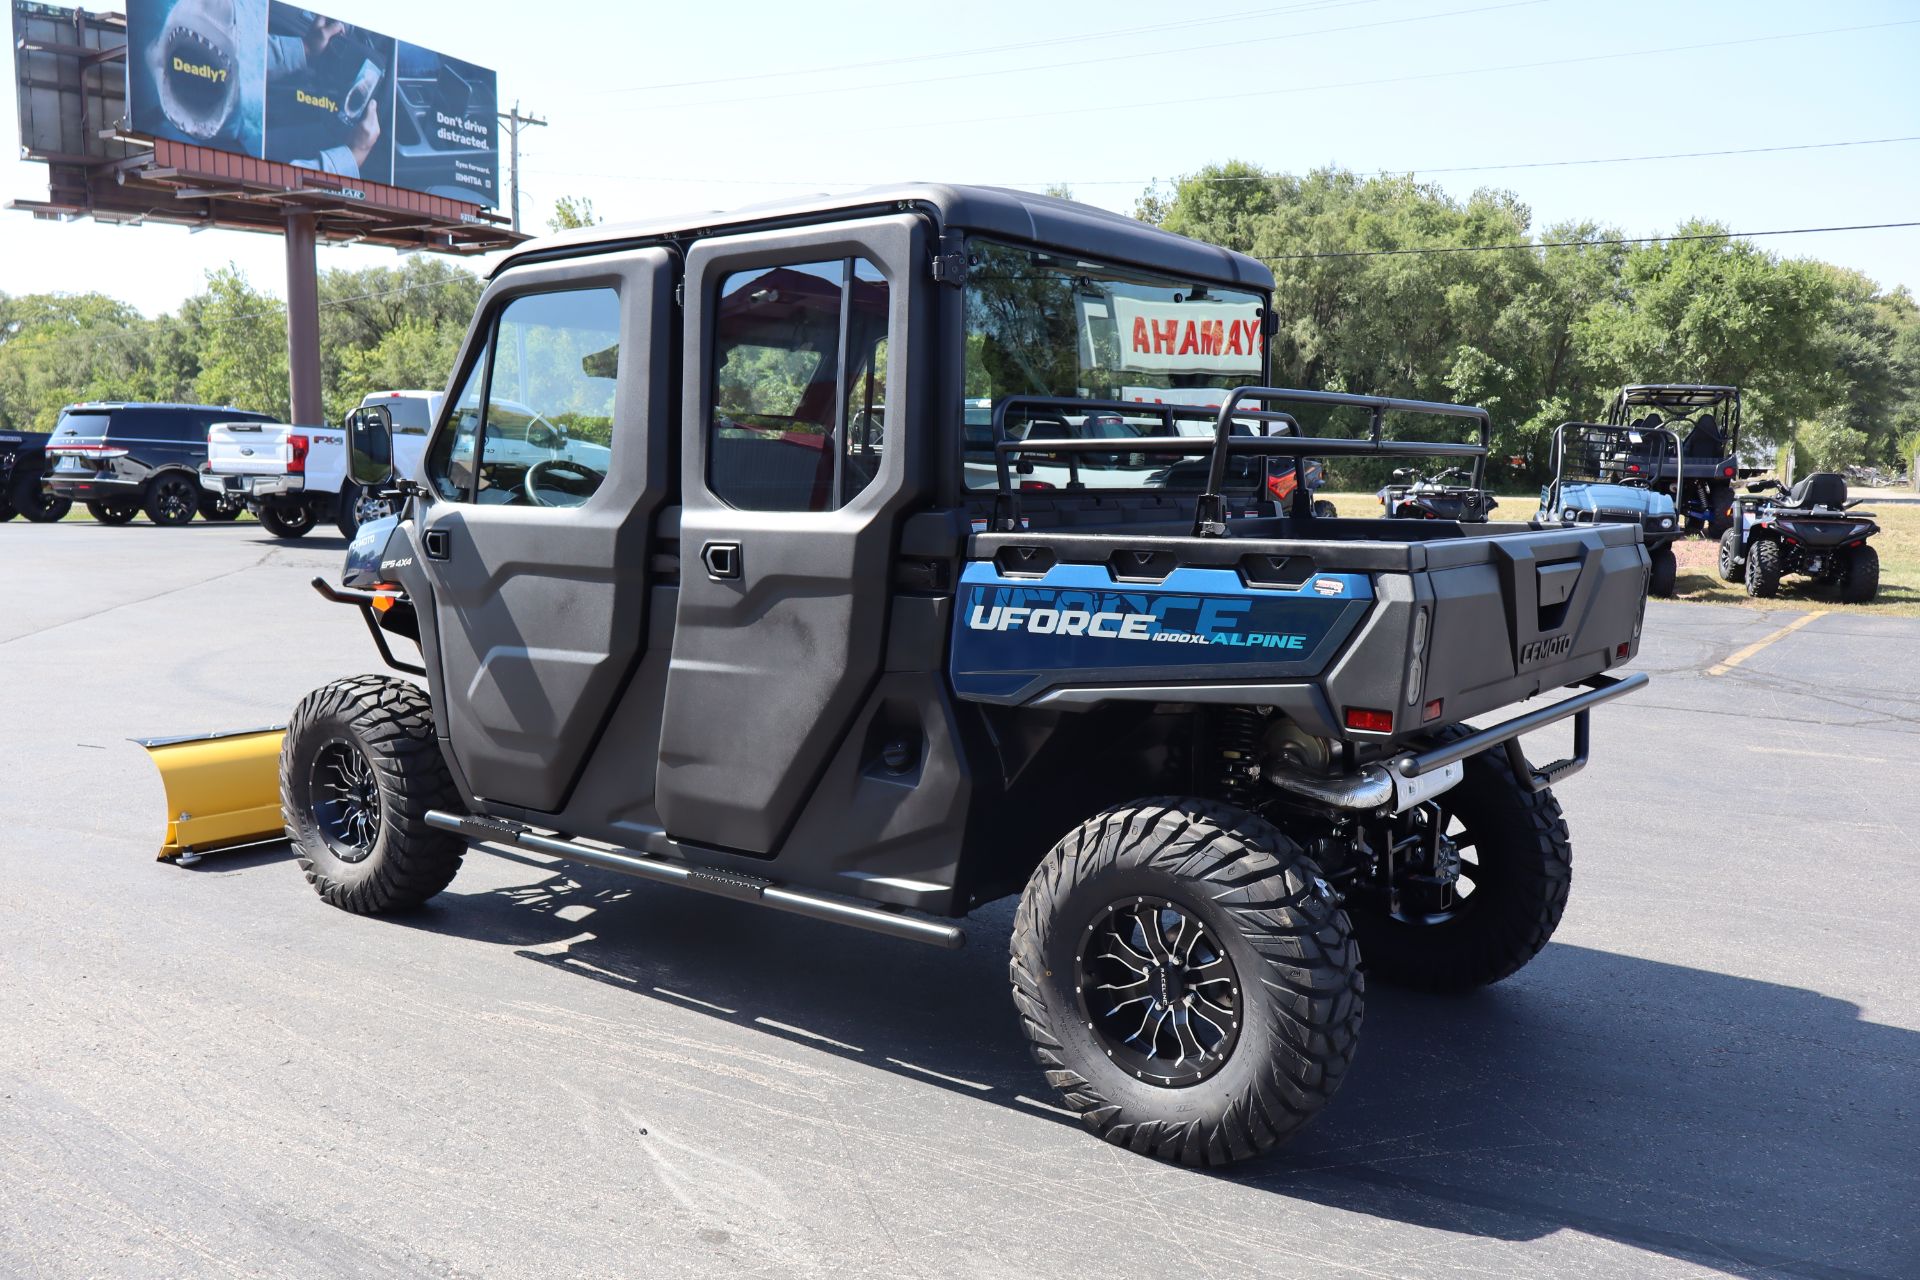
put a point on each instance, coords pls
(1606, 475)
(795, 634)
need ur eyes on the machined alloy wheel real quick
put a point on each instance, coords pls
(1161, 994)
(359, 771)
(1187, 979)
(1733, 565)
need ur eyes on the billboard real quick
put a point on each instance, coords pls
(275, 82)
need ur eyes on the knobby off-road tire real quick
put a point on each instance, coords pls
(113, 512)
(1763, 568)
(1520, 872)
(1326, 510)
(1860, 581)
(1238, 889)
(358, 772)
(1665, 571)
(1733, 566)
(287, 522)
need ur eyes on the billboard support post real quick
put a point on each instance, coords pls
(303, 319)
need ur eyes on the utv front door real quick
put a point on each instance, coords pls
(799, 391)
(543, 481)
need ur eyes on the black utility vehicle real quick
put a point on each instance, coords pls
(122, 459)
(1706, 420)
(1603, 475)
(1810, 529)
(1453, 494)
(23, 459)
(779, 644)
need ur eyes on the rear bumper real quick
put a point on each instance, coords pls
(1507, 733)
(104, 489)
(253, 486)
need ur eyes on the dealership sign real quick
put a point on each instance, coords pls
(1187, 337)
(264, 79)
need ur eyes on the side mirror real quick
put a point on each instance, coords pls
(370, 446)
(1401, 475)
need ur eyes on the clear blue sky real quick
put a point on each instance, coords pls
(1095, 101)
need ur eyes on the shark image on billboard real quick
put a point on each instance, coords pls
(196, 71)
(329, 95)
(279, 82)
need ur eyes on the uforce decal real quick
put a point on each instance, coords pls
(1212, 621)
(1541, 650)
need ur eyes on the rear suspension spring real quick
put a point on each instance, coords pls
(1236, 753)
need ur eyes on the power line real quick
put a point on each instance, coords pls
(1115, 34)
(1269, 176)
(1582, 244)
(869, 86)
(1214, 99)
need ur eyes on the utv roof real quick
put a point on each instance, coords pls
(1000, 212)
(1676, 394)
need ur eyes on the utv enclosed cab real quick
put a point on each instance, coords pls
(799, 629)
(1605, 475)
(1706, 421)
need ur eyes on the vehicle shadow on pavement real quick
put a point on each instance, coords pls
(1737, 1124)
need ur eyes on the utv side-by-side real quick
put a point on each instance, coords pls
(1810, 529)
(1451, 494)
(763, 616)
(1706, 420)
(1604, 475)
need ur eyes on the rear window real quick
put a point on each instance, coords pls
(412, 415)
(82, 424)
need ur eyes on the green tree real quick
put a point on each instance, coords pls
(243, 345)
(570, 213)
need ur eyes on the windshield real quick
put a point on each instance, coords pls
(1045, 325)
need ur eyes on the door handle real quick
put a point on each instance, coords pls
(722, 560)
(439, 544)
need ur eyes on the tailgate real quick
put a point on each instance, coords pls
(1519, 614)
(248, 449)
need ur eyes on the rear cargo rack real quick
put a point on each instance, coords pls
(1210, 508)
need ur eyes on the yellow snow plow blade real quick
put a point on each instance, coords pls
(223, 789)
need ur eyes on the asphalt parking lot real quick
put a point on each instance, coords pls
(1715, 1068)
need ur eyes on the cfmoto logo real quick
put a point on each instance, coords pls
(1541, 650)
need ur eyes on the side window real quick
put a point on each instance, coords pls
(533, 423)
(450, 468)
(548, 436)
(799, 384)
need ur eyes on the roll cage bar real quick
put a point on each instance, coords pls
(1559, 455)
(1688, 397)
(1209, 520)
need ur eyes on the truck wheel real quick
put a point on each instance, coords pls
(287, 521)
(6, 509)
(1720, 504)
(1516, 866)
(1177, 941)
(359, 506)
(359, 770)
(1861, 582)
(1763, 568)
(1733, 566)
(1665, 571)
(172, 499)
(113, 512)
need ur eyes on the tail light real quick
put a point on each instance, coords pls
(1369, 721)
(297, 464)
(1728, 472)
(1032, 485)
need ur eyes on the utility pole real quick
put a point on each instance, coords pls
(515, 122)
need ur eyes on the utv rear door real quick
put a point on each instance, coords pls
(542, 482)
(799, 391)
